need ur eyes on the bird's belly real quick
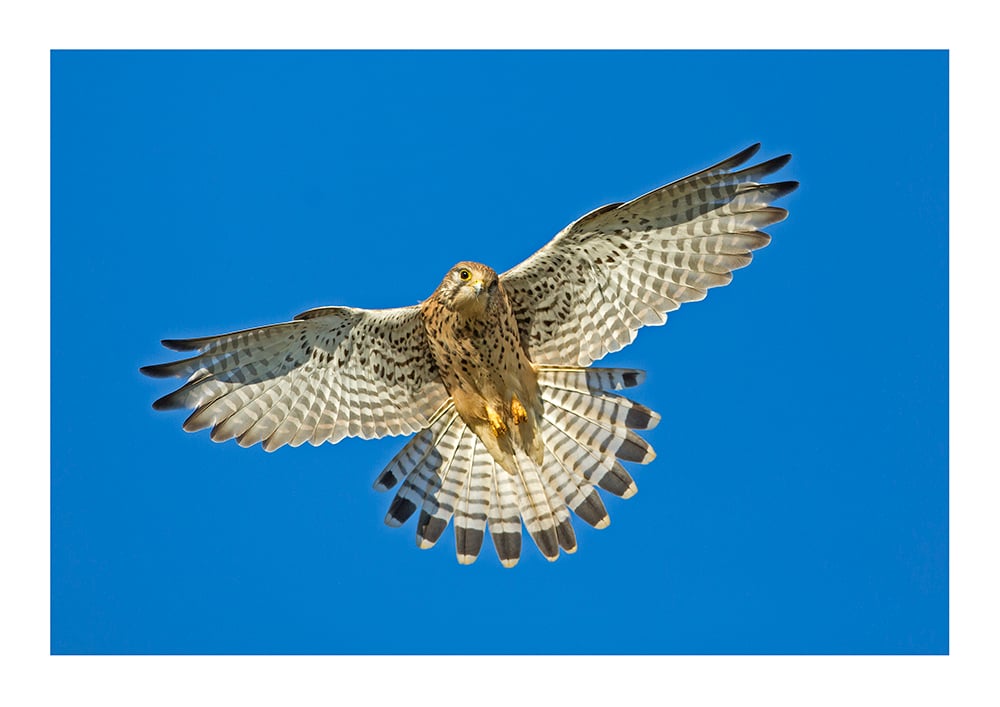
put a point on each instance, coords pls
(496, 384)
(492, 383)
(498, 399)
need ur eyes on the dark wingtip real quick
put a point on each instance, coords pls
(319, 312)
(782, 160)
(736, 160)
(165, 403)
(157, 370)
(180, 344)
(744, 155)
(773, 164)
(780, 189)
(179, 399)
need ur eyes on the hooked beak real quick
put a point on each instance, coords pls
(472, 298)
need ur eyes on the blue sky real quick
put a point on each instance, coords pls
(798, 503)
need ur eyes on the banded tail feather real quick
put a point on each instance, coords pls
(505, 516)
(474, 505)
(446, 472)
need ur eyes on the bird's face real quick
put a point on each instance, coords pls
(468, 287)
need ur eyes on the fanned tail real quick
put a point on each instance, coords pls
(447, 472)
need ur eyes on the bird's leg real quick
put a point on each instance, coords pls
(517, 411)
(496, 423)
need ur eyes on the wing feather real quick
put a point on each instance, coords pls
(623, 266)
(329, 373)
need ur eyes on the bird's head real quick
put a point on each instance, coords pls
(468, 287)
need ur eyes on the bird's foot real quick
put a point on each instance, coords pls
(517, 411)
(496, 423)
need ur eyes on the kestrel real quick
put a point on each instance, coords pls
(492, 371)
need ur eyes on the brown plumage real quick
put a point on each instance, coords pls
(474, 339)
(492, 372)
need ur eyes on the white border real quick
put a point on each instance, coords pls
(26, 36)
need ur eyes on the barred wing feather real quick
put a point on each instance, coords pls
(623, 266)
(331, 373)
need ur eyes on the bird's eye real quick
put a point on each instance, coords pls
(464, 274)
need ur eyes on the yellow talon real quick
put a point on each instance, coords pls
(498, 426)
(517, 411)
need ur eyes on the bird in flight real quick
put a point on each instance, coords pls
(493, 372)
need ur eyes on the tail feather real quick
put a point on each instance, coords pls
(599, 468)
(424, 479)
(473, 506)
(603, 407)
(535, 508)
(600, 436)
(564, 530)
(439, 507)
(448, 473)
(565, 535)
(579, 494)
(416, 450)
(406, 458)
(619, 482)
(590, 380)
(505, 517)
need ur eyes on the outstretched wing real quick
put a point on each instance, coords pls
(622, 266)
(333, 372)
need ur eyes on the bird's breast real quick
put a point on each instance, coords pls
(481, 357)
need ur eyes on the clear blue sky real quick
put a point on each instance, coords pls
(799, 500)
